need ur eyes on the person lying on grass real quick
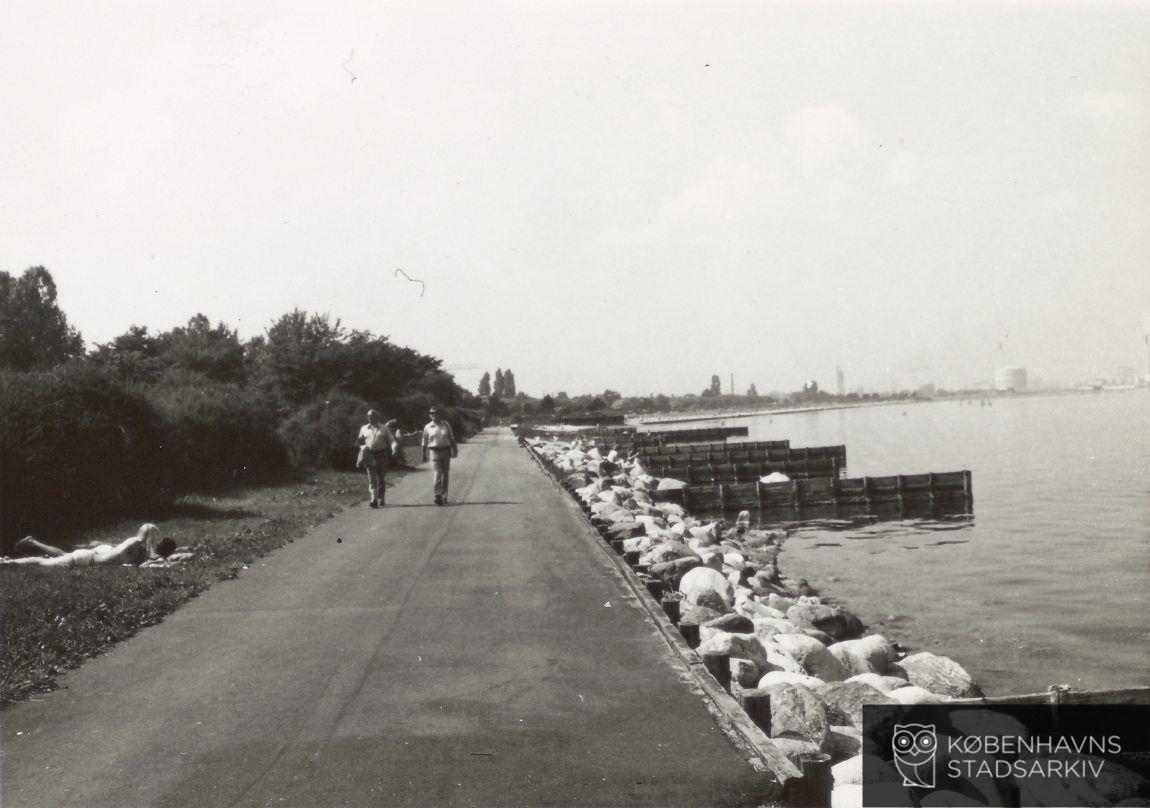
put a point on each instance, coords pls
(136, 550)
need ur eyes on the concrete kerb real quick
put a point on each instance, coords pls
(780, 774)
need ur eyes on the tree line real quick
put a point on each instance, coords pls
(147, 415)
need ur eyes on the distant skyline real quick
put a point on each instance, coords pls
(628, 196)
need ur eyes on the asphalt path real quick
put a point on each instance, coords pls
(481, 653)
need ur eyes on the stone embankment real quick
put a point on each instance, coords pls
(814, 660)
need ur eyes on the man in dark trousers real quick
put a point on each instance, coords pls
(439, 445)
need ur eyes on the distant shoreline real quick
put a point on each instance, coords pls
(713, 416)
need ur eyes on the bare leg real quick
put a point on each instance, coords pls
(30, 545)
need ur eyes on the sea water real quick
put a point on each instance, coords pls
(1046, 582)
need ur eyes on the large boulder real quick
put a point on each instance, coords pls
(879, 682)
(781, 660)
(706, 586)
(795, 748)
(734, 623)
(939, 674)
(812, 655)
(756, 609)
(786, 677)
(912, 694)
(846, 741)
(844, 701)
(838, 623)
(780, 602)
(669, 551)
(873, 654)
(798, 713)
(700, 616)
(742, 646)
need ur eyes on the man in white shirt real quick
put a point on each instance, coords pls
(377, 444)
(439, 444)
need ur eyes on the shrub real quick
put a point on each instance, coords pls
(322, 434)
(214, 434)
(75, 443)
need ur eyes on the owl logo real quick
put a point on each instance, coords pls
(914, 748)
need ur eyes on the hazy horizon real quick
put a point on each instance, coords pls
(598, 196)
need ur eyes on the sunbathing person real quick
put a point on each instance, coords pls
(135, 550)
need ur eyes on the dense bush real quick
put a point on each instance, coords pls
(214, 434)
(73, 442)
(322, 434)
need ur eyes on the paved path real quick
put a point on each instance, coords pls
(462, 655)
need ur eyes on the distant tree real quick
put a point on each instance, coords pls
(547, 404)
(508, 384)
(752, 392)
(499, 388)
(716, 385)
(597, 404)
(496, 407)
(34, 333)
(485, 384)
(562, 398)
(611, 396)
(214, 351)
(295, 359)
(134, 355)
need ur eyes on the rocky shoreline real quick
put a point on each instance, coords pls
(814, 660)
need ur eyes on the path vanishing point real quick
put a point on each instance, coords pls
(485, 653)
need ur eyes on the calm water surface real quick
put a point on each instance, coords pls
(1048, 582)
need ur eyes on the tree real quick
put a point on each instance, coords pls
(752, 392)
(34, 333)
(611, 396)
(499, 389)
(716, 385)
(508, 384)
(547, 404)
(485, 385)
(134, 355)
(214, 351)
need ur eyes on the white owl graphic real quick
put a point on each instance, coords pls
(914, 747)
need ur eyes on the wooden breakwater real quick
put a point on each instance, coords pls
(714, 446)
(952, 489)
(595, 420)
(706, 473)
(701, 435)
(735, 454)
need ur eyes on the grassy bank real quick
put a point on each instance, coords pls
(53, 619)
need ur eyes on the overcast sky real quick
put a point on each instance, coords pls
(631, 196)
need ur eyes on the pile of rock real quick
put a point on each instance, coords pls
(813, 659)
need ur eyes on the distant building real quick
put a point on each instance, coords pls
(925, 390)
(1125, 375)
(1010, 378)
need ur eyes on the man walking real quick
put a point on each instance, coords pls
(376, 443)
(439, 443)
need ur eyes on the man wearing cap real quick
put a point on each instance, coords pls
(439, 444)
(377, 443)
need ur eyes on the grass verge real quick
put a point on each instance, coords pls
(53, 619)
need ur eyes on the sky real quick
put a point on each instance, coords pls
(630, 196)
